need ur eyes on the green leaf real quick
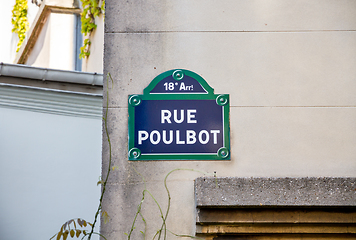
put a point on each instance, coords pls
(103, 6)
(72, 233)
(91, 9)
(105, 216)
(59, 234)
(94, 3)
(19, 21)
(65, 235)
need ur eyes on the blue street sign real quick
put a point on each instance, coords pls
(179, 118)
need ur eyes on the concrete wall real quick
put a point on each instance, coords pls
(289, 67)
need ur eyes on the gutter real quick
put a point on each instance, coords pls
(54, 75)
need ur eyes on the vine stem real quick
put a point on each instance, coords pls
(184, 235)
(164, 217)
(110, 155)
(140, 205)
(164, 227)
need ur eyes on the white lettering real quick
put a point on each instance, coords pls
(158, 138)
(176, 117)
(166, 115)
(142, 136)
(165, 137)
(190, 116)
(191, 139)
(182, 86)
(178, 138)
(215, 135)
(201, 137)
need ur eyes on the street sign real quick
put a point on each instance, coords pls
(179, 117)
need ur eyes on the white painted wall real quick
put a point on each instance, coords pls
(49, 167)
(55, 46)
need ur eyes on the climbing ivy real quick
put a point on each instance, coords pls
(19, 21)
(91, 9)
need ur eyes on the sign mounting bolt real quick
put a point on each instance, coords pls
(178, 75)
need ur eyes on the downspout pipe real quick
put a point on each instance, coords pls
(47, 74)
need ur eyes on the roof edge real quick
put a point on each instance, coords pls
(54, 75)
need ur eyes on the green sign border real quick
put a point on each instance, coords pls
(223, 100)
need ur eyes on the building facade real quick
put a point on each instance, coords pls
(54, 37)
(289, 69)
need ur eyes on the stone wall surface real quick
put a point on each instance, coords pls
(289, 67)
(274, 192)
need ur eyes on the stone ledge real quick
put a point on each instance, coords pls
(279, 192)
